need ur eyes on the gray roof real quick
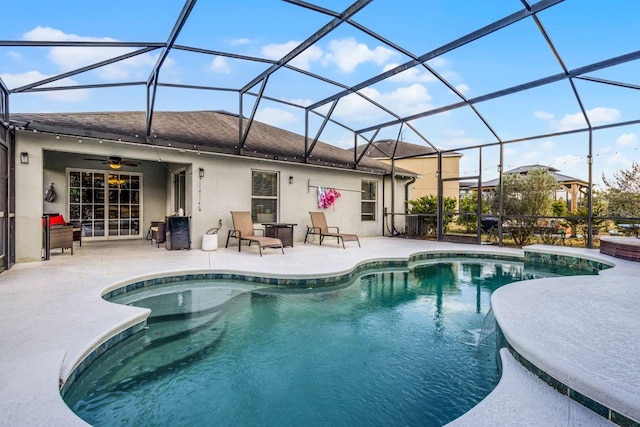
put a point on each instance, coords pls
(206, 131)
(390, 148)
(523, 170)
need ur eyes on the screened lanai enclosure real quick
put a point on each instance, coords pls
(505, 84)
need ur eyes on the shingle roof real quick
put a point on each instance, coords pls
(387, 148)
(206, 131)
(561, 178)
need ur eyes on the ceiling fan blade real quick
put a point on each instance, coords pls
(96, 160)
(129, 163)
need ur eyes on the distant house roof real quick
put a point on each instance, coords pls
(390, 148)
(523, 170)
(206, 131)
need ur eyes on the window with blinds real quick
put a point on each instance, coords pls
(264, 196)
(368, 201)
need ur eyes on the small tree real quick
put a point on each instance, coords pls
(428, 205)
(525, 197)
(559, 208)
(580, 220)
(622, 193)
(469, 210)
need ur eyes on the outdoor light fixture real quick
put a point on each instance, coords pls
(24, 158)
(201, 171)
(290, 180)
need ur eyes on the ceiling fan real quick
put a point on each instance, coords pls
(115, 162)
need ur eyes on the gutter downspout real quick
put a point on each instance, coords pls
(406, 194)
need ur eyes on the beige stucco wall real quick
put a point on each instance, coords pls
(226, 186)
(427, 183)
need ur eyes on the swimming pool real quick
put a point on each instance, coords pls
(392, 347)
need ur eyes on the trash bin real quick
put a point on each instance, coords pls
(210, 242)
(210, 238)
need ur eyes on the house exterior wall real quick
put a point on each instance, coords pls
(225, 186)
(427, 183)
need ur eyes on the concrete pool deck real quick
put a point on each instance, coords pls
(586, 330)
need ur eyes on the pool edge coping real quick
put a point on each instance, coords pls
(124, 329)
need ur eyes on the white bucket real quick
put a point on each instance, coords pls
(210, 242)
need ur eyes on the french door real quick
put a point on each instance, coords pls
(105, 204)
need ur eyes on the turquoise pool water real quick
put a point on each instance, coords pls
(391, 348)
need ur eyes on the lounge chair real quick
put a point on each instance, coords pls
(319, 227)
(243, 230)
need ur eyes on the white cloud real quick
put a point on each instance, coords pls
(275, 116)
(14, 55)
(605, 150)
(547, 145)
(240, 41)
(347, 54)
(597, 116)
(302, 61)
(567, 161)
(529, 157)
(462, 88)
(403, 101)
(71, 58)
(18, 80)
(543, 115)
(627, 140)
(300, 101)
(415, 74)
(602, 115)
(510, 152)
(618, 158)
(220, 65)
(439, 62)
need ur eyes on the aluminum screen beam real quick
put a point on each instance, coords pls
(152, 82)
(518, 88)
(350, 11)
(82, 70)
(504, 22)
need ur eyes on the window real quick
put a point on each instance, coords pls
(264, 196)
(368, 201)
(179, 191)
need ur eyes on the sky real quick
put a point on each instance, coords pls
(583, 32)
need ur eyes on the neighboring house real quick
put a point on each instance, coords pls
(114, 181)
(571, 190)
(421, 159)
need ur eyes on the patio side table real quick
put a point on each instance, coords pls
(280, 230)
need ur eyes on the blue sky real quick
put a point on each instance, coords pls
(582, 31)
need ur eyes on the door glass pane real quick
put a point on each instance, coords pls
(87, 203)
(87, 195)
(113, 227)
(98, 212)
(74, 195)
(74, 179)
(87, 179)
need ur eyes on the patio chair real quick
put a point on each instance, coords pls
(319, 227)
(61, 234)
(157, 232)
(243, 230)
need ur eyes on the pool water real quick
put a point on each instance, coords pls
(392, 348)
